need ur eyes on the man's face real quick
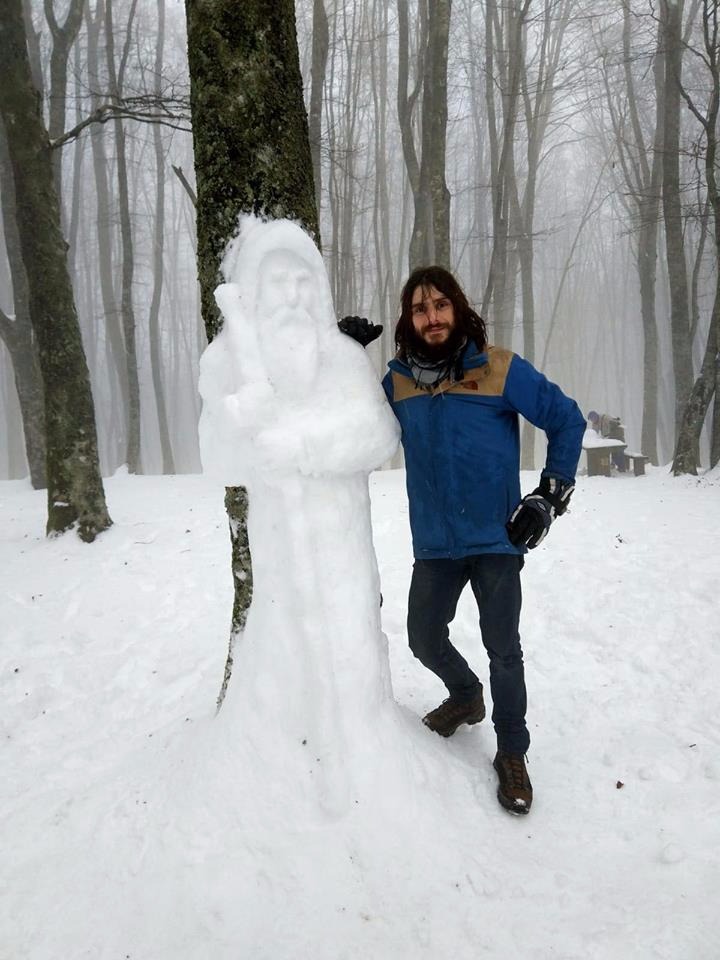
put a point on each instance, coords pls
(433, 316)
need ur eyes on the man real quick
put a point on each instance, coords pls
(457, 400)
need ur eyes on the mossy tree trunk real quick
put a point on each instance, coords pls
(17, 334)
(75, 490)
(673, 45)
(252, 155)
(687, 451)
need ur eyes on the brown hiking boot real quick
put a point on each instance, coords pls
(446, 718)
(514, 790)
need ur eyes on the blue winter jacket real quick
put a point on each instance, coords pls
(462, 448)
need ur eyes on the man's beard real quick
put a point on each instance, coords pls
(435, 352)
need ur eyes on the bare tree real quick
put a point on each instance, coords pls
(63, 37)
(430, 240)
(672, 42)
(168, 464)
(639, 154)
(110, 308)
(320, 46)
(75, 489)
(116, 76)
(16, 331)
(707, 384)
(504, 68)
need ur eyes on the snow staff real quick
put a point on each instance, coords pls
(457, 400)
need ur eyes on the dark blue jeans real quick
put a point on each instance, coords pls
(434, 593)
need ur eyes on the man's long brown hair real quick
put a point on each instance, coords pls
(467, 321)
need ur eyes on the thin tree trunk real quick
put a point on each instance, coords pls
(78, 156)
(647, 267)
(116, 77)
(168, 464)
(320, 47)
(115, 346)
(671, 21)
(430, 241)
(498, 286)
(381, 206)
(405, 109)
(63, 38)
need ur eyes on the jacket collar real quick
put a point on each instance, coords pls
(472, 358)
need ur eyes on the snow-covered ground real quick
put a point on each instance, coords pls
(134, 827)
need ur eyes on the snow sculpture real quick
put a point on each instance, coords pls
(293, 410)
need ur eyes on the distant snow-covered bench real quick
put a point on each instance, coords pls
(637, 461)
(599, 452)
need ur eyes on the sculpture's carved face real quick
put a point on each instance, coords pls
(285, 283)
(289, 318)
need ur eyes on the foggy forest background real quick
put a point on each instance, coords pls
(557, 155)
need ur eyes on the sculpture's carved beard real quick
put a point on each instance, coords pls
(290, 348)
(435, 352)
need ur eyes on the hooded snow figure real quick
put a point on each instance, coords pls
(293, 410)
(283, 389)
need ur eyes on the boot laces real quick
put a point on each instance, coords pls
(516, 767)
(449, 708)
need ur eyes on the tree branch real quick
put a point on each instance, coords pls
(145, 109)
(178, 171)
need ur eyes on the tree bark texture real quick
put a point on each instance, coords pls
(168, 464)
(252, 155)
(75, 488)
(114, 343)
(504, 66)
(641, 164)
(430, 240)
(320, 46)
(671, 21)
(250, 130)
(384, 254)
(17, 334)
(63, 37)
(687, 452)
(127, 312)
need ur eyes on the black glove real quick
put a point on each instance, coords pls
(360, 329)
(532, 517)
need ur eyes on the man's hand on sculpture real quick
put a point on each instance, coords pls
(360, 329)
(532, 517)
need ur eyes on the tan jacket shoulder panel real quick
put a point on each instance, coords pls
(485, 381)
